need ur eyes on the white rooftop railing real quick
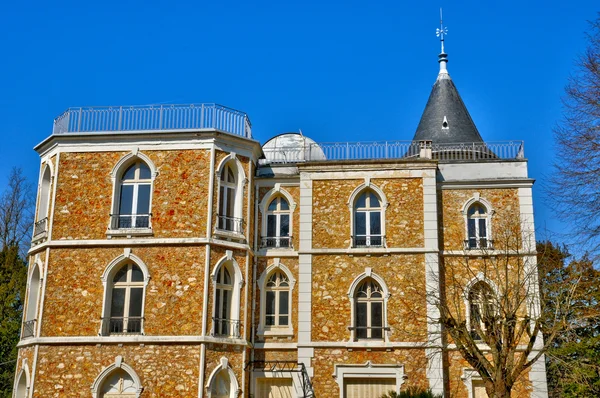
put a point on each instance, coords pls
(473, 151)
(153, 118)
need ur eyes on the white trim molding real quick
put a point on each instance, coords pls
(237, 283)
(367, 186)
(351, 295)
(234, 389)
(24, 371)
(275, 331)
(368, 370)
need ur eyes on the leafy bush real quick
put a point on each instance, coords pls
(411, 392)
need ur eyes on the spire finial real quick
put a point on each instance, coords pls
(443, 57)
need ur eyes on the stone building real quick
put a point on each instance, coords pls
(174, 256)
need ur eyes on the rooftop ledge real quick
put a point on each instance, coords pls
(166, 117)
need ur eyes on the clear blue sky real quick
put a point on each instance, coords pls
(344, 70)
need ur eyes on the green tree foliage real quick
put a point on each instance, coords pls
(573, 360)
(411, 392)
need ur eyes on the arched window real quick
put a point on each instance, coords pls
(221, 385)
(228, 218)
(120, 384)
(224, 324)
(369, 310)
(32, 302)
(478, 227)
(367, 220)
(126, 298)
(41, 222)
(135, 187)
(278, 224)
(21, 389)
(482, 309)
(277, 301)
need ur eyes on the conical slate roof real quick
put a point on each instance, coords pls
(446, 119)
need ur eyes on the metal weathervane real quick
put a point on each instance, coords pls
(441, 31)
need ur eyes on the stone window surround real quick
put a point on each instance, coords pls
(273, 193)
(24, 372)
(368, 370)
(33, 297)
(111, 269)
(241, 181)
(115, 176)
(476, 198)
(234, 390)
(275, 331)
(367, 185)
(238, 283)
(118, 364)
(480, 277)
(351, 295)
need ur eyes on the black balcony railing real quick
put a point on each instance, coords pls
(368, 332)
(478, 243)
(130, 221)
(368, 241)
(223, 327)
(40, 227)
(269, 242)
(28, 328)
(122, 325)
(231, 224)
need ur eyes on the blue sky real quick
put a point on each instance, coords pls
(337, 70)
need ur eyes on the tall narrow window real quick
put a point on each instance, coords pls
(227, 219)
(119, 384)
(481, 309)
(21, 391)
(369, 311)
(277, 306)
(221, 385)
(126, 301)
(41, 222)
(134, 197)
(477, 227)
(278, 224)
(367, 220)
(224, 325)
(32, 302)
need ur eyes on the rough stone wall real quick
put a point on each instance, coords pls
(275, 355)
(174, 295)
(331, 306)
(85, 194)
(414, 361)
(504, 201)
(292, 264)
(164, 370)
(25, 356)
(458, 389)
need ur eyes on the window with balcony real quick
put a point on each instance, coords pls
(227, 284)
(41, 222)
(368, 220)
(133, 208)
(482, 309)
(478, 214)
(277, 301)
(368, 312)
(229, 217)
(32, 303)
(277, 224)
(126, 298)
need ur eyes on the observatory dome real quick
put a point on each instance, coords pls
(292, 148)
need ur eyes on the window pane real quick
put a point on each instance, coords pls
(143, 200)
(375, 223)
(360, 226)
(126, 199)
(117, 304)
(284, 303)
(222, 201)
(482, 231)
(218, 303)
(471, 227)
(284, 204)
(377, 314)
(273, 205)
(271, 225)
(230, 202)
(283, 320)
(226, 300)
(374, 200)
(144, 172)
(230, 177)
(361, 314)
(121, 275)
(270, 304)
(136, 274)
(129, 173)
(362, 200)
(284, 227)
(135, 301)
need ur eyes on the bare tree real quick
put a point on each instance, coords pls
(574, 188)
(16, 212)
(493, 311)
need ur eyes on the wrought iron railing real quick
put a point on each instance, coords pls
(231, 224)
(285, 367)
(395, 150)
(368, 241)
(478, 243)
(130, 221)
(29, 328)
(223, 327)
(271, 242)
(40, 227)
(368, 332)
(153, 117)
(122, 325)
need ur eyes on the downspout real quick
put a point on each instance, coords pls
(249, 285)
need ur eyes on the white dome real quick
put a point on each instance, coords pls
(292, 148)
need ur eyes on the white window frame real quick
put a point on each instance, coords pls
(276, 191)
(264, 330)
(234, 389)
(343, 372)
(33, 297)
(477, 199)
(23, 373)
(107, 281)
(44, 199)
(105, 374)
(237, 284)
(116, 176)
(368, 274)
(469, 377)
(479, 278)
(231, 161)
(367, 185)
